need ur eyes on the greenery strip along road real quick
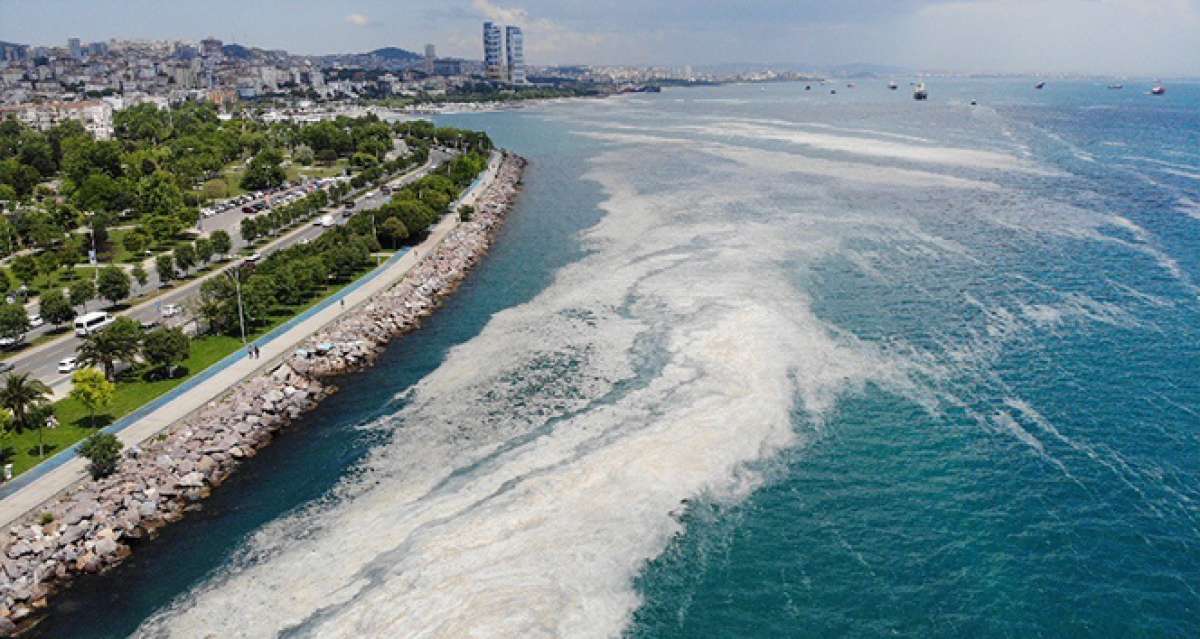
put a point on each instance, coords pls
(44, 482)
(41, 360)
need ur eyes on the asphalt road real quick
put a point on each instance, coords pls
(43, 363)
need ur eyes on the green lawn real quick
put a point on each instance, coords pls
(133, 391)
(317, 170)
(75, 423)
(59, 278)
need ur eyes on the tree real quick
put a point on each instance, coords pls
(6, 422)
(158, 194)
(24, 267)
(162, 227)
(91, 388)
(55, 308)
(249, 229)
(164, 265)
(103, 452)
(139, 274)
(5, 284)
(14, 321)
(185, 257)
(119, 341)
(258, 297)
(136, 242)
(303, 155)
(264, 171)
(113, 284)
(81, 292)
(22, 395)
(166, 347)
(204, 250)
(221, 243)
(393, 228)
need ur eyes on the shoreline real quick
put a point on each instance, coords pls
(95, 523)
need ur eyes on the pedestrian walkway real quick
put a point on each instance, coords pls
(48, 479)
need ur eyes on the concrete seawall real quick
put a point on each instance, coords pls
(91, 525)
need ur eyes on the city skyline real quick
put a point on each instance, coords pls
(1156, 37)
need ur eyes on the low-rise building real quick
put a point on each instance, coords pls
(94, 115)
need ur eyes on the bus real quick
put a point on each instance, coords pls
(90, 323)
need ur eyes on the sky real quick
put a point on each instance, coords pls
(1118, 37)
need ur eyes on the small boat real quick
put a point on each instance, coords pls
(893, 86)
(1158, 89)
(920, 93)
(808, 87)
(973, 103)
(849, 85)
(1040, 85)
(1116, 87)
(833, 92)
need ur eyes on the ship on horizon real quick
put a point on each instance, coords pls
(920, 93)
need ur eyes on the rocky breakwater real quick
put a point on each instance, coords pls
(92, 526)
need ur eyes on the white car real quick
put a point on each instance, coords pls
(36, 321)
(68, 365)
(326, 221)
(170, 310)
(9, 342)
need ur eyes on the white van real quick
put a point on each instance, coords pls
(92, 322)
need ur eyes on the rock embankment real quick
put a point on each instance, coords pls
(90, 527)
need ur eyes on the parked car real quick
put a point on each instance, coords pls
(170, 310)
(326, 221)
(6, 367)
(248, 210)
(9, 342)
(68, 364)
(254, 257)
(148, 325)
(35, 320)
(348, 205)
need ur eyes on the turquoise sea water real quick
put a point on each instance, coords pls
(757, 361)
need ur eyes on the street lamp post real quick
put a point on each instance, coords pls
(237, 287)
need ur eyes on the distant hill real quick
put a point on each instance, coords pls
(236, 51)
(396, 54)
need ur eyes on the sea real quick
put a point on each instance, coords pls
(756, 361)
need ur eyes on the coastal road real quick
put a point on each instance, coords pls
(42, 361)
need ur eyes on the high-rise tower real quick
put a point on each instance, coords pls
(491, 50)
(515, 48)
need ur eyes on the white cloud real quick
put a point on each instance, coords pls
(358, 20)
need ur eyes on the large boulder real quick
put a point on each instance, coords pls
(192, 480)
(79, 511)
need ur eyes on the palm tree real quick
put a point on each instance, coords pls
(22, 396)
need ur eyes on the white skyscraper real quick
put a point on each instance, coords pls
(491, 50)
(430, 57)
(515, 48)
